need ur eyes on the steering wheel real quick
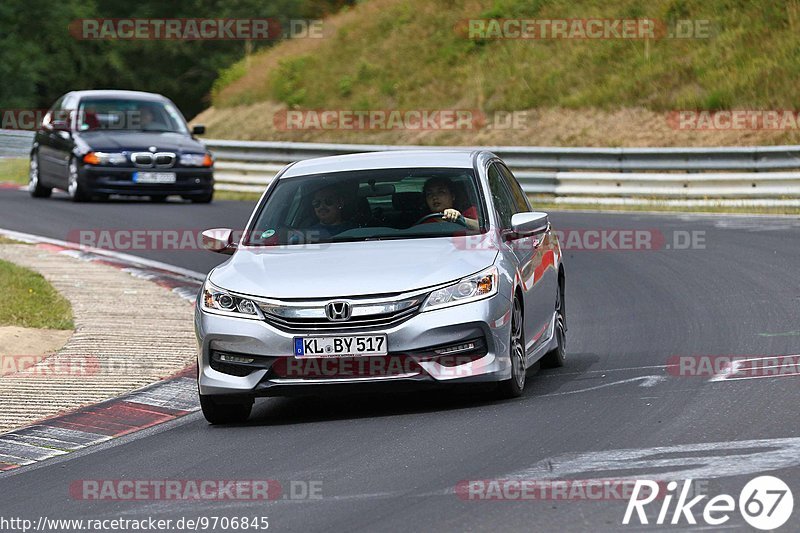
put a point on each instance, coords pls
(460, 220)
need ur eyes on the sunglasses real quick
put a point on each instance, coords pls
(330, 202)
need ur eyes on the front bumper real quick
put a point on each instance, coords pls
(189, 181)
(411, 360)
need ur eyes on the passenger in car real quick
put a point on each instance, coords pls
(440, 196)
(328, 204)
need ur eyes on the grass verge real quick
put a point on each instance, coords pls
(30, 301)
(236, 195)
(14, 170)
(6, 240)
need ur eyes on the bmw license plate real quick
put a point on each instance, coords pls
(154, 177)
(360, 345)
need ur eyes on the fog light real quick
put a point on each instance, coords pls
(458, 348)
(227, 358)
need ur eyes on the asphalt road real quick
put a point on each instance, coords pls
(392, 462)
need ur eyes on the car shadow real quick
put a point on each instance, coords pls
(350, 406)
(114, 199)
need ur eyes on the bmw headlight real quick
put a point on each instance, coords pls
(475, 287)
(105, 158)
(196, 160)
(221, 302)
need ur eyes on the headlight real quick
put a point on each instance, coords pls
(196, 160)
(475, 287)
(218, 301)
(105, 158)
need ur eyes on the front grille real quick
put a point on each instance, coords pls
(311, 324)
(359, 313)
(363, 313)
(153, 160)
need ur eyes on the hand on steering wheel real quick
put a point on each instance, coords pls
(460, 220)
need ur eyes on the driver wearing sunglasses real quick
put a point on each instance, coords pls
(328, 204)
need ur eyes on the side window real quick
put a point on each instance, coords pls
(521, 204)
(52, 113)
(501, 198)
(69, 109)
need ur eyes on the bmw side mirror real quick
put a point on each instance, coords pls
(529, 224)
(198, 129)
(219, 240)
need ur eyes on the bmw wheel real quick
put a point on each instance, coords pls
(35, 188)
(75, 189)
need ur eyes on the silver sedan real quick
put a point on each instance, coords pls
(380, 270)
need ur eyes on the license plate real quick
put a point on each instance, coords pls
(154, 177)
(340, 346)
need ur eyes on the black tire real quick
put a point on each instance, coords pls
(35, 188)
(222, 410)
(513, 387)
(202, 199)
(75, 189)
(556, 357)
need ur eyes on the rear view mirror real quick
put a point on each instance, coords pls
(530, 223)
(219, 240)
(198, 129)
(380, 189)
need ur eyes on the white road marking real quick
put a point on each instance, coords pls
(646, 381)
(729, 373)
(710, 460)
(128, 258)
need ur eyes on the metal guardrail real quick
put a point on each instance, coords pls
(758, 173)
(15, 143)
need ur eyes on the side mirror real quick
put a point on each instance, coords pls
(60, 125)
(198, 129)
(529, 224)
(219, 240)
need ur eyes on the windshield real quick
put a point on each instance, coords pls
(129, 115)
(369, 205)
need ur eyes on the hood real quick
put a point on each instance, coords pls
(340, 270)
(109, 140)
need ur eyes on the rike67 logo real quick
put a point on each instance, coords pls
(766, 503)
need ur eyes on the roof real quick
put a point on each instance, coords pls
(113, 93)
(391, 159)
